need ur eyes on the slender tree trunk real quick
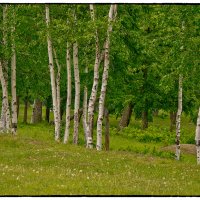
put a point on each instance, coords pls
(172, 120)
(93, 95)
(145, 109)
(47, 116)
(48, 106)
(58, 88)
(25, 110)
(126, 116)
(5, 119)
(145, 119)
(52, 76)
(112, 14)
(197, 138)
(18, 103)
(37, 112)
(85, 98)
(68, 103)
(61, 113)
(77, 92)
(178, 119)
(107, 132)
(13, 81)
(5, 115)
(5, 112)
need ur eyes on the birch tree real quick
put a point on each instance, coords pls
(5, 112)
(197, 137)
(85, 97)
(13, 79)
(178, 118)
(52, 76)
(77, 92)
(5, 118)
(68, 103)
(112, 15)
(58, 88)
(180, 102)
(93, 95)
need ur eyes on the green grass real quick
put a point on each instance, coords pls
(31, 163)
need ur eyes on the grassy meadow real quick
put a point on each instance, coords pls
(32, 163)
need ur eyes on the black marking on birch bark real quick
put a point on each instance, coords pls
(197, 142)
(14, 125)
(178, 142)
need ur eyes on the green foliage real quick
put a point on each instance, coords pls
(152, 134)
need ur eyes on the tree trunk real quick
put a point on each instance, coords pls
(93, 95)
(48, 106)
(85, 112)
(61, 113)
(178, 119)
(145, 119)
(25, 110)
(126, 116)
(85, 104)
(37, 112)
(172, 120)
(77, 93)
(13, 80)
(68, 103)
(5, 117)
(5, 113)
(52, 76)
(145, 109)
(47, 116)
(112, 14)
(80, 113)
(197, 138)
(107, 127)
(18, 103)
(58, 88)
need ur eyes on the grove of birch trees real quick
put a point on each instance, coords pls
(86, 61)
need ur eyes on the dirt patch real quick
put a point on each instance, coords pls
(185, 148)
(33, 142)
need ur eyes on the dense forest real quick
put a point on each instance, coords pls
(86, 65)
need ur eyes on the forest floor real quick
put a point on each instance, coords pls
(32, 164)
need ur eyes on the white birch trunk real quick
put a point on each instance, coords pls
(68, 105)
(77, 92)
(13, 80)
(112, 14)
(5, 121)
(178, 119)
(85, 108)
(52, 76)
(93, 95)
(5, 112)
(58, 87)
(197, 138)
